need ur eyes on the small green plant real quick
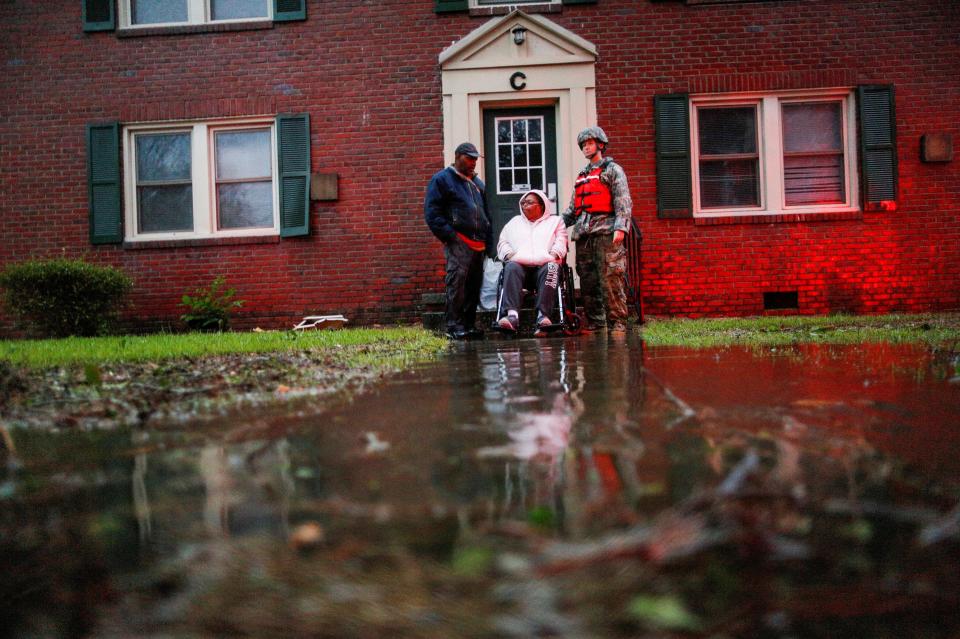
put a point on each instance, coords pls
(209, 308)
(63, 297)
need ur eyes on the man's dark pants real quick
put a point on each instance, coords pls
(516, 277)
(464, 278)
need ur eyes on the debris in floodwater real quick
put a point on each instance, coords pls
(747, 466)
(307, 536)
(472, 562)
(945, 528)
(374, 445)
(667, 612)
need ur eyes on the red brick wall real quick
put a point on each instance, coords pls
(367, 73)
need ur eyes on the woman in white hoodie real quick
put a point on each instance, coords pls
(532, 247)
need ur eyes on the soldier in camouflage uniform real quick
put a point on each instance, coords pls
(600, 212)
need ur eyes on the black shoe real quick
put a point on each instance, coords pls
(457, 334)
(474, 333)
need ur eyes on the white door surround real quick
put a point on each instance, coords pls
(488, 69)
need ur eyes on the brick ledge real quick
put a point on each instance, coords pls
(206, 241)
(194, 28)
(778, 219)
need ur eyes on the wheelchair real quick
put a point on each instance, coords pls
(564, 318)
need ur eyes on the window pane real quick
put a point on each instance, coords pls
(814, 179)
(503, 131)
(154, 11)
(247, 205)
(536, 155)
(520, 155)
(506, 181)
(727, 183)
(534, 130)
(519, 130)
(536, 179)
(163, 157)
(165, 208)
(237, 9)
(521, 181)
(503, 155)
(816, 126)
(727, 130)
(243, 154)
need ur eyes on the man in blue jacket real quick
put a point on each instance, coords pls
(456, 212)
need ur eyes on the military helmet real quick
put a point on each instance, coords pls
(592, 133)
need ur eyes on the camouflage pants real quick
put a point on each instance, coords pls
(601, 265)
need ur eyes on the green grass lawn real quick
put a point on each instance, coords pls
(933, 329)
(357, 344)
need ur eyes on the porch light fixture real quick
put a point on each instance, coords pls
(519, 35)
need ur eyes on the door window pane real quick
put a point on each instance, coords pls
(534, 130)
(506, 180)
(237, 9)
(520, 155)
(536, 179)
(503, 156)
(503, 131)
(158, 11)
(813, 166)
(519, 130)
(520, 146)
(521, 180)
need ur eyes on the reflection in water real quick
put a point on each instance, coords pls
(216, 479)
(141, 500)
(568, 487)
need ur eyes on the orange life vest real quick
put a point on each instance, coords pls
(592, 195)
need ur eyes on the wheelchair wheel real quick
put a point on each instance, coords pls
(571, 324)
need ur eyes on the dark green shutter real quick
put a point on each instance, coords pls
(293, 147)
(103, 183)
(579, 1)
(285, 10)
(444, 6)
(878, 147)
(672, 126)
(98, 15)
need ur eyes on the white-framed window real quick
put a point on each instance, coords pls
(164, 13)
(774, 153)
(521, 156)
(200, 180)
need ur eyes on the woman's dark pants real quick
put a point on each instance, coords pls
(544, 278)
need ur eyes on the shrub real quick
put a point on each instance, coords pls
(63, 297)
(210, 308)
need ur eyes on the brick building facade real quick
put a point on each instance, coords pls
(787, 153)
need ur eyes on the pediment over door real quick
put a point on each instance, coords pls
(492, 45)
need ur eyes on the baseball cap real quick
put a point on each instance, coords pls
(467, 149)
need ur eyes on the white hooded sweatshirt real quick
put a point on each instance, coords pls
(531, 243)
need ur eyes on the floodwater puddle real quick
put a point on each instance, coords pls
(566, 488)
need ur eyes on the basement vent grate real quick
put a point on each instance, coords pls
(779, 300)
